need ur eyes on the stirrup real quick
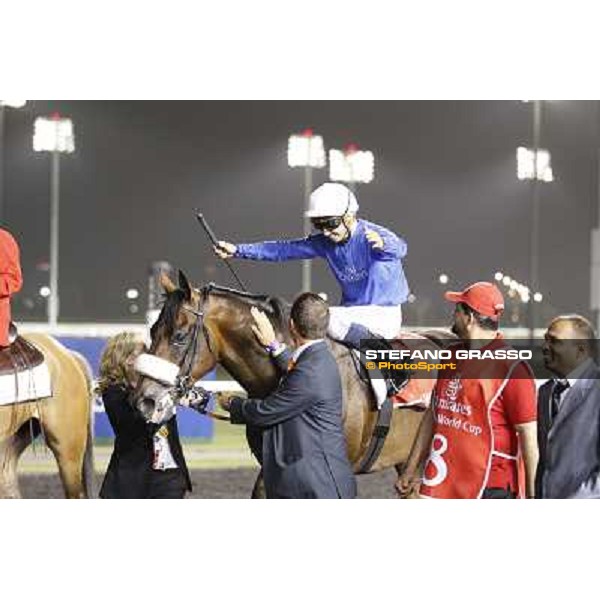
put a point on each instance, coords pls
(13, 334)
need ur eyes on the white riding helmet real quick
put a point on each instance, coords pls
(331, 200)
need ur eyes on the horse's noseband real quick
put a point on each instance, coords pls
(177, 378)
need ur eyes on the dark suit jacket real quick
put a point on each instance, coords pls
(130, 470)
(304, 449)
(570, 447)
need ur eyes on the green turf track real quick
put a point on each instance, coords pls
(227, 450)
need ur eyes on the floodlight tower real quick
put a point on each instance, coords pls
(533, 164)
(351, 165)
(306, 150)
(54, 134)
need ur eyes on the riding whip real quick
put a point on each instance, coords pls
(215, 242)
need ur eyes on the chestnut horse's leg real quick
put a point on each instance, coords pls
(70, 469)
(68, 444)
(10, 451)
(69, 457)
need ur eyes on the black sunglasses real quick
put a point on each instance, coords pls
(328, 224)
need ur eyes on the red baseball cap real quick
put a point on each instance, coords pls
(483, 297)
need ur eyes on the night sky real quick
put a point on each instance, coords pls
(445, 180)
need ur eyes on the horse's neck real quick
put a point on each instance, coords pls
(254, 371)
(257, 382)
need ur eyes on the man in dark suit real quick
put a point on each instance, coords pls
(569, 413)
(304, 449)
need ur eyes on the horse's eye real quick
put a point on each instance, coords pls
(179, 337)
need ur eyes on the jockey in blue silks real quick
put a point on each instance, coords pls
(365, 258)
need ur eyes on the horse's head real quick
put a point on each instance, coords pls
(179, 354)
(195, 330)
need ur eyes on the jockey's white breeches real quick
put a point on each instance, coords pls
(381, 320)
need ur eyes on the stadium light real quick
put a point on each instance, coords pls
(515, 288)
(526, 169)
(54, 134)
(533, 164)
(13, 103)
(306, 150)
(351, 165)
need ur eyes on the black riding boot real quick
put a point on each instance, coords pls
(395, 380)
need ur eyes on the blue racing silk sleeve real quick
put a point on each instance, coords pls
(394, 247)
(302, 248)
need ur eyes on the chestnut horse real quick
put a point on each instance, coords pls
(197, 329)
(64, 420)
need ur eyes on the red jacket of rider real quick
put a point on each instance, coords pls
(11, 280)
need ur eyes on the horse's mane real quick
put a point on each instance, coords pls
(276, 308)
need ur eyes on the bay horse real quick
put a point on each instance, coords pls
(197, 329)
(65, 421)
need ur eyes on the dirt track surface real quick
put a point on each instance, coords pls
(214, 483)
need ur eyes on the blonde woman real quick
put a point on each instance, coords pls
(147, 460)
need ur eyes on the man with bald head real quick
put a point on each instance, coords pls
(569, 412)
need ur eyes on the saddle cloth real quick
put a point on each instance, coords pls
(24, 375)
(417, 393)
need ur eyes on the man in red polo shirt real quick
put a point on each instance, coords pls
(10, 280)
(482, 423)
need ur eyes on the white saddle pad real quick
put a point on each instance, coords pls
(27, 385)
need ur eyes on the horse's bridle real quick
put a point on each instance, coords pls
(183, 382)
(184, 385)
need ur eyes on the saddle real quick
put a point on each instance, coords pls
(24, 374)
(20, 356)
(405, 389)
(404, 392)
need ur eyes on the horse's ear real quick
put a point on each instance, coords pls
(184, 284)
(166, 283)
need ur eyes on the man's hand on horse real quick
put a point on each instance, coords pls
(224, 399)
(225, 249)
(375, 239)
(197, 399)
(408, 486)
(262, 328)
